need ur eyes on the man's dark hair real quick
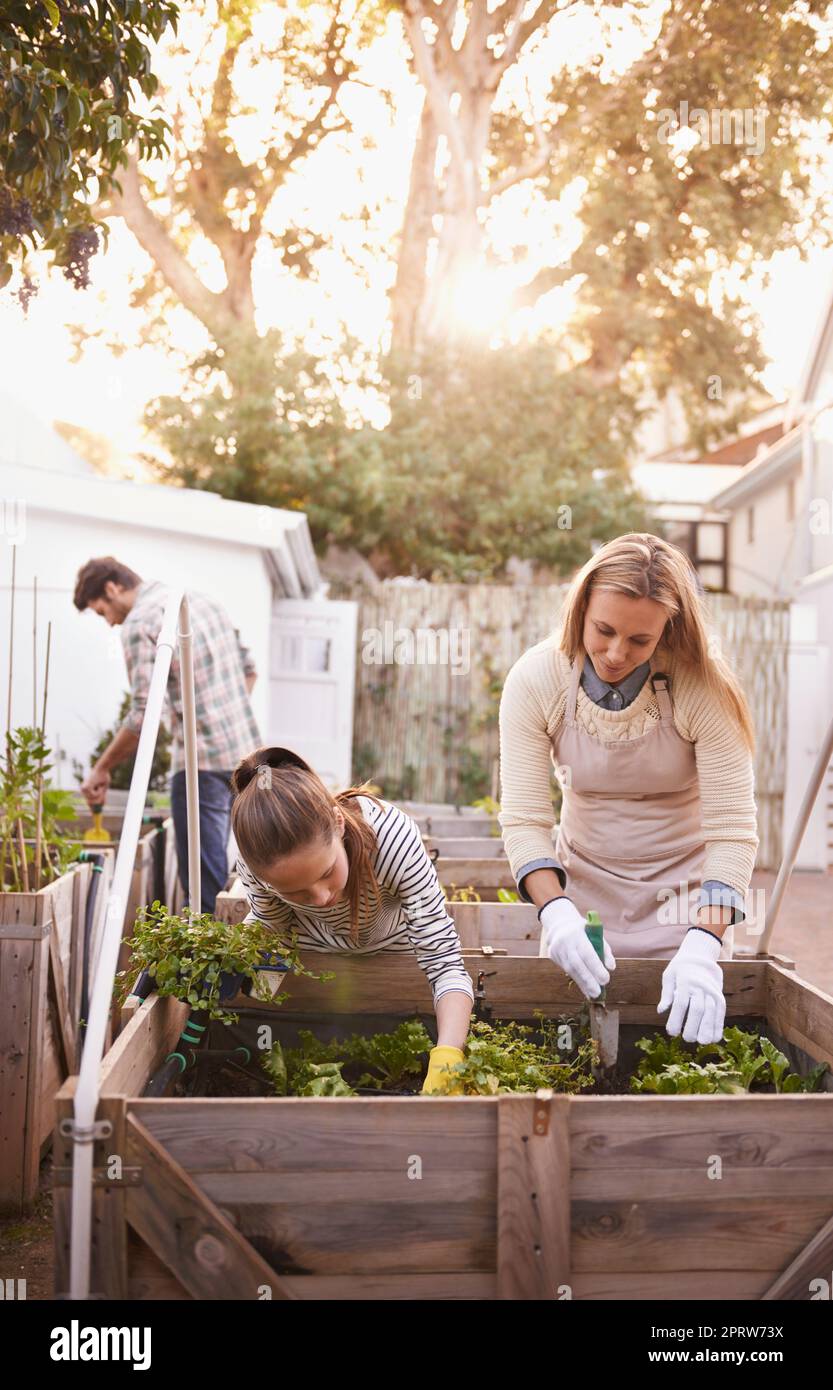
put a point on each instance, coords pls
(93, 576)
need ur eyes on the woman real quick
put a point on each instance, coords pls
(652, 741)
(310, 863)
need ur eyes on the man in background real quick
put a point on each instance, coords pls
(224, 674)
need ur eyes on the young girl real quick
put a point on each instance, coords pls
(651, 739)
(310, 862)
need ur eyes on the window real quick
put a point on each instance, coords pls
(750, 526)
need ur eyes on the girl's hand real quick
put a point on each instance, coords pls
(441, 1081)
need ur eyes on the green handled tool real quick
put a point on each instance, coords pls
(604, 1022)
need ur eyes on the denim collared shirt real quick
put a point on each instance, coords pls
(713, 893)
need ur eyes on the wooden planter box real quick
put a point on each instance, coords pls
(511, 1197)
(41, 953)
(482, 847)
(503, 928)
(143, 882)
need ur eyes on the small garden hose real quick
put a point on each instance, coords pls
(96, 858)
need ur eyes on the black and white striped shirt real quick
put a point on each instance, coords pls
(410, 916)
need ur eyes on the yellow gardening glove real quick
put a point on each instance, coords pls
(440, 1082)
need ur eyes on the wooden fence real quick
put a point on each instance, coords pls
(432, 659)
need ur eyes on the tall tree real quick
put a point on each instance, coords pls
(666, 206)
(209, 187)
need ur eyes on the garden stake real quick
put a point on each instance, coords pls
(604, 1022)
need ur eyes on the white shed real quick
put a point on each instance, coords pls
(257, 561)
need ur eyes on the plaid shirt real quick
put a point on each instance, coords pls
(226, 727)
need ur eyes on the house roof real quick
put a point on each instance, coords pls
(281, 535)
(682, 491)
(28, 440)
(779, 461)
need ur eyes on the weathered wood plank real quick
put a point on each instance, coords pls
(814, 1262)
(371, 1237)
(651, 1286)
(475, 873)
(533, 1200)
(474, 847)
(686, 1132)
(731, 1233)
(778, 1184)
(17, 969)
(389, 982)
(800, 1012)
(307, 1135)
(142, 1046)
(429, 1184)
(149, 1279)
(108, 1268)
(65, 1030)
(62, 1196)
(188, 1233)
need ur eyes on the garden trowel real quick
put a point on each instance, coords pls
(604, 1022)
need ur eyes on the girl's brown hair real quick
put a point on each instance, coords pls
(281, 805)
(644, 566)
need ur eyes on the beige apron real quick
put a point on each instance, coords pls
(631, 835)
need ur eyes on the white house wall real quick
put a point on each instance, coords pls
(768, 566)
(820, 519)
(87, 674)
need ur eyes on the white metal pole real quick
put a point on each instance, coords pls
(82, 1128)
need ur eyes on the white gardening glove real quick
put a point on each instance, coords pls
(693, 980)
(569, 946)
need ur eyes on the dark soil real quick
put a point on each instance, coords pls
(26, 1242)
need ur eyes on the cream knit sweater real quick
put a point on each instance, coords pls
(531, 711)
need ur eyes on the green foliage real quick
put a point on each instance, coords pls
(122, 773)
(507, 1057)
(67, 78)
(307, 1078)
(25, 765)
(188, 955)
(258, 423)
(383, 1062)
(671, 1067)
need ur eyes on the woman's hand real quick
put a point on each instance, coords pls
(441, 1081)
(692, 983)
(568, 946)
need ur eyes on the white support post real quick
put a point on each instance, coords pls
(84, 1128)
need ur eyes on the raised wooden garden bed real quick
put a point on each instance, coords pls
(154, 871)
(41, 955)
(512, 1196)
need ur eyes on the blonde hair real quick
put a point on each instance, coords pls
(281, 805)
(640, 565)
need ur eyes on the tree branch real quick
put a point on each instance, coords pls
(154, 238)
(530, 170)
(436, 89)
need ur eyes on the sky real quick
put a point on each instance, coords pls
(106, 393)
